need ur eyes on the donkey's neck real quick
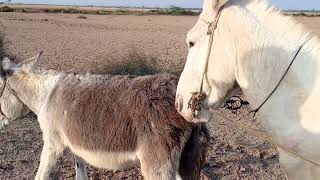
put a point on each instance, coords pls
(33, 88)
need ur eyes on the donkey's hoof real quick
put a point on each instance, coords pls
(3, 123)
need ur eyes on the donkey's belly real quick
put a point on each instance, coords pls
(108, 160)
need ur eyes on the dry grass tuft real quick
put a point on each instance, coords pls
(135, 62)
(3, 52)
(82, 17)
(305, 13)
(6, 9)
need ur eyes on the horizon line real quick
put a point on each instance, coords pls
(138, 7)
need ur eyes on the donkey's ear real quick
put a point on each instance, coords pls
(7, 67)
(29, 63)
(2, 72)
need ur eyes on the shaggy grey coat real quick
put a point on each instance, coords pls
(111, 122)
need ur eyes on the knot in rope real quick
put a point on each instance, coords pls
(195, 103)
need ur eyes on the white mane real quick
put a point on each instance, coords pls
(284, 26)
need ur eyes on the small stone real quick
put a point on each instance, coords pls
(242, 169)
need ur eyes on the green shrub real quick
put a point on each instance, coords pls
(177, 11)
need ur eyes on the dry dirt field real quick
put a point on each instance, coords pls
(80, 45)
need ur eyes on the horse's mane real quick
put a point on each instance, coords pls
(283, 26)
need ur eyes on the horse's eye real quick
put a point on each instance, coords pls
(191, 44)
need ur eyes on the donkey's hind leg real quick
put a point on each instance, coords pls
(81, 169)
(50, 153)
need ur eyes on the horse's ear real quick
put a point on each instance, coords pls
(29, 63)
(212, 5)
(220, 3)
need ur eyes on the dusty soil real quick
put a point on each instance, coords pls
(80, 45)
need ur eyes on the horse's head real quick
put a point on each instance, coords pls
(11, 106)
(218, 76)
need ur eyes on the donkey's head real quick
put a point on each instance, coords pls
(11, 106)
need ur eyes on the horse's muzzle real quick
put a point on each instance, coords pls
(183, 109)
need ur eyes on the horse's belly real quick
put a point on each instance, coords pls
(108, 160)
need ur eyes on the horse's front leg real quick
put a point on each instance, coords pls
(81, 169)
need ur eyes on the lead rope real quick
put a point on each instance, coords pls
(262, 135)
(284, 75)
(195, 102)
(236, 99)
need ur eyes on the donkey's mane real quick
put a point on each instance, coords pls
(53, 72)
(272, 18)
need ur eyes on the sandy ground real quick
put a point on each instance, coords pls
(80, 45)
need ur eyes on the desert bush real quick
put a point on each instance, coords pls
(70, 10)
(135, 62)
(103, 12)
(6, 9)
(120, 12)
(306, 13)
(157, 12)
(56, 10)
(20, 10)
(178, 11)
(82, 17)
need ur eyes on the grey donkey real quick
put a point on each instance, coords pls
(111, 122)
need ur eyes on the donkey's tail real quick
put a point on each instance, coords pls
(194, 153)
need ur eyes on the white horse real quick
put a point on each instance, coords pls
(111, 122)
(252, 47)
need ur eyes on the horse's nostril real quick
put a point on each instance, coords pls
(179, 103)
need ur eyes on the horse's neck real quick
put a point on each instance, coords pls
(262, 68)
(32, 89)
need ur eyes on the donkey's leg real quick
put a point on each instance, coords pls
(52, 148)
(81, 169)
(3, 121)
(157, 164)
(153, 170)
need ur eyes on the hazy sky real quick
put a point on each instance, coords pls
(284, 4)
